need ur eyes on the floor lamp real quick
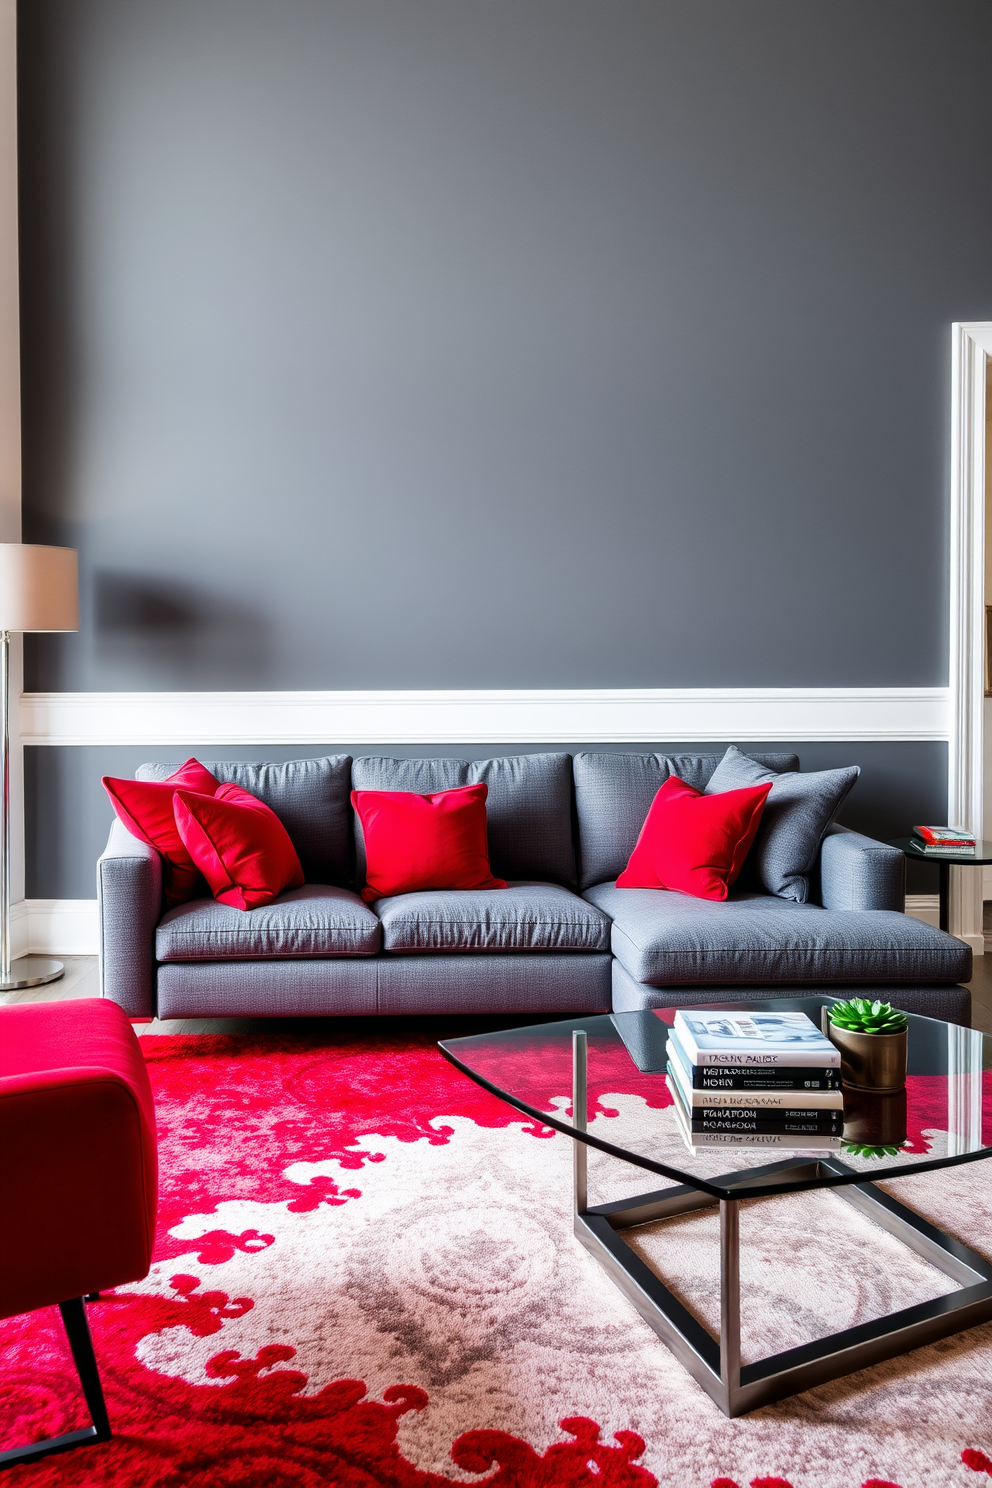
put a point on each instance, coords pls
(38, 591)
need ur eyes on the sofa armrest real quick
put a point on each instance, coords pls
(129, 893)
(857, 872)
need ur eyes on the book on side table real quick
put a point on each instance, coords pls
(767, 1079)
(953, 841)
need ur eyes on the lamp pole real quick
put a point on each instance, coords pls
(26, 971)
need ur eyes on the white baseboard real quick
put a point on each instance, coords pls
(54, 927)
(925, 907)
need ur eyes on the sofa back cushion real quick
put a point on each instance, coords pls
(529, 806)
(311, 799)
(613, 794)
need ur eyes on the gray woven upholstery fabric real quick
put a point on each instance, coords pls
(542, 985)
(521, 917)
(859, 873)
(528, 806)
(530, 815)
(286, 989)
(316, 920)
(797, 812)
(129, 895)
(311, 797)
(614, 791)
(953, 1004)
(673, 939)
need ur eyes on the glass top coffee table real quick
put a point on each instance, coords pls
(943, 1118)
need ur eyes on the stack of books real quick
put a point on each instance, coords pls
(756, 1079)
(954, 842)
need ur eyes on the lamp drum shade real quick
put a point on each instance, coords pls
(39, 587)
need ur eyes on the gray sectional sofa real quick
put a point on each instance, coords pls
(560, 939)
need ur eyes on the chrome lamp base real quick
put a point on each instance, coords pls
(31, 971)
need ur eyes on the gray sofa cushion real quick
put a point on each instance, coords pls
(798, 811)
(614, 791)
(662, 937)
(311, 797)
(316, 920)
(521, 917)
(529, 806)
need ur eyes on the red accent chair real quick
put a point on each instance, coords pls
(78, 1175)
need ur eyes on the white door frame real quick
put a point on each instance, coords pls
(971, 345)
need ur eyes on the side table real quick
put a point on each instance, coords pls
(945, 862)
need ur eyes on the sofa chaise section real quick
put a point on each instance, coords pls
(938, 1000)
(664, 939)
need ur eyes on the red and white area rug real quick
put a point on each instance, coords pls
(366, 1276)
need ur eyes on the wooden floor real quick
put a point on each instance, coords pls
(80, 980)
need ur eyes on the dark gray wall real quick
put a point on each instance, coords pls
(412, 343)
(391, 343)
(69, 815)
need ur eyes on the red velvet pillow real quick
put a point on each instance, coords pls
(425, 842)
(145, 808)
(686, 844)
(239, 845)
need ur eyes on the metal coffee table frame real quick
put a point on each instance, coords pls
(716, 1363)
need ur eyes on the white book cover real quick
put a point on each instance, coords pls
(753, 1038)
(783, 1102)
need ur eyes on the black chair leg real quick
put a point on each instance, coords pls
(78, 1332)
(77, 1328)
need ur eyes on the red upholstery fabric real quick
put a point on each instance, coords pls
(239, 845)
(694, 843)
(415, 842)
(145, 808)
(78, 1156)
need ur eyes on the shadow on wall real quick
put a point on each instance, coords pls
(174, 635)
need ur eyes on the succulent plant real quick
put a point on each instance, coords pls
(858, 1015)
(864, 1149)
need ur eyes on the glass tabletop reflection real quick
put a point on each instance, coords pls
(942, 1118)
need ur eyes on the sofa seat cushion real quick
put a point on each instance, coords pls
(315, 920)
(521, 917)
(669, 939)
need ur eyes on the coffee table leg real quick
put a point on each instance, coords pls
(945, 895)
(730, 1301)
(580, 1117)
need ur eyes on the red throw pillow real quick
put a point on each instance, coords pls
(239, 845)
(425, 842)
(145, 808)
(687, 845)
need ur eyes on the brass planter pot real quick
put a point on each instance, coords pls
(870, 1061)
(875, 1120)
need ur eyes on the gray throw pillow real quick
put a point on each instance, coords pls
(798, 811)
